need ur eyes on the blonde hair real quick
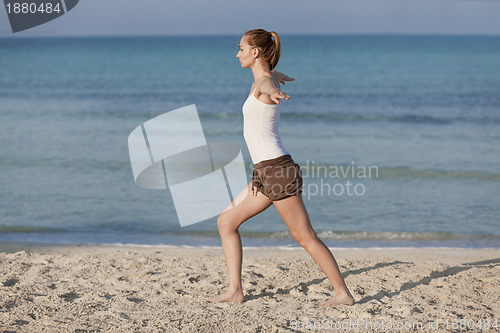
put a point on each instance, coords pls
(268, 43)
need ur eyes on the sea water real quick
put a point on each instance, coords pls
(398, 137)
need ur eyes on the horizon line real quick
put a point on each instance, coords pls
(4, 35)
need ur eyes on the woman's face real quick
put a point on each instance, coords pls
(246, 53)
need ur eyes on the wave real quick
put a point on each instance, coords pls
(310, 169)
(403, 118)
(337, 117)
(401, 235)
(360, 235)
(376, 235)
(233, 112)
(351, 171)
(325, 234)
(80, 164)
(28, 229)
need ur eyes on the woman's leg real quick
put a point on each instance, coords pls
(244, 206)
(294, 213)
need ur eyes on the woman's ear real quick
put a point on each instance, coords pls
(255, 52)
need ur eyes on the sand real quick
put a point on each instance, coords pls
(164, 289)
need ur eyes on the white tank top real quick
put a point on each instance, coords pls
(260, 129)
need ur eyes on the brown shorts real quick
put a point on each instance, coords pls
(277, 178)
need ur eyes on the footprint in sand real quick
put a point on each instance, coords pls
(198, 278)
(10, 282)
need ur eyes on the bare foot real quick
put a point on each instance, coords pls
(236, 297)
(343, 299)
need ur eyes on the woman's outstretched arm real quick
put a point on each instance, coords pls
(271, 88)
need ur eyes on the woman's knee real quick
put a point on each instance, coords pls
(225, 223)
(305, 239)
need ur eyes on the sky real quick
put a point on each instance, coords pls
(233, 17)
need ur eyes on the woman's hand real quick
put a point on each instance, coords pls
(280, 77)
(277, 94)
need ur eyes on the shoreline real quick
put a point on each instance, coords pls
(445, 253)
(11, 246)
(60, 288)
(250, 240)
(270, 239)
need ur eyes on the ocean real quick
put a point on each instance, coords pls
(398, 137)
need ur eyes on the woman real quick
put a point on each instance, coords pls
(276, 180)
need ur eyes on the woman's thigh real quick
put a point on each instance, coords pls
(294, 213)
(245, 206)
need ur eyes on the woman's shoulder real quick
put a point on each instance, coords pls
(268, 79)
(265, 80)
(261, 89)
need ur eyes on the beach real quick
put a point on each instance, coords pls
(397, 138)
(128, 288)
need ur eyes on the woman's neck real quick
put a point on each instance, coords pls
(260, 70)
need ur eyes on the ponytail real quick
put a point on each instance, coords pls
(269, 44)
(275, 55)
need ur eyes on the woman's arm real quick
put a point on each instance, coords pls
(280, 77)
(271, 88)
